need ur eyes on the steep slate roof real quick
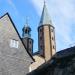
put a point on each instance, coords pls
(60, 57)
(65, 53)
(17, 33)
(45, 18)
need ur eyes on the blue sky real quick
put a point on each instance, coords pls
(62, 13)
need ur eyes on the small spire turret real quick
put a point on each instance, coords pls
(26, 30)
(26, 37)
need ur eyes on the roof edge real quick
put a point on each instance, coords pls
(17, 33)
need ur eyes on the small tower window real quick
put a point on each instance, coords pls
(14, 43)
(52, 38)
(51, 30)
(30, 42)
(41, 47)
(41, 29)
(53, 47)
(40, 37)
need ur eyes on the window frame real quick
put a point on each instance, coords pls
(14, 43)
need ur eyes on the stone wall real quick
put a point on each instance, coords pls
(13, 61)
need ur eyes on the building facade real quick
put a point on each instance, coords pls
(46, 40)
(16, 53)
(14, 58)
(62, 63)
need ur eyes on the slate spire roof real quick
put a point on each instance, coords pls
(45, 18)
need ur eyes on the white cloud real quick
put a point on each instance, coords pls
(62, 13)
(10, 2)
(38, 5)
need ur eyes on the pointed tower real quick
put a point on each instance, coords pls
(46, 36)
(26, 37)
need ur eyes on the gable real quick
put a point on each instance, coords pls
(15, 59)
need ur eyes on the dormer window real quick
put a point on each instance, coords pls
(14, 43)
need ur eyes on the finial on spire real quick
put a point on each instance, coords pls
(26, 29)
(27, 18)
(44, 2)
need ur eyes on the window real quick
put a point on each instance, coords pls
(53, 47)
(41, 47)
(14, 43)
(41, 38)
(41, 29)
(30, 42)
(52, 29)
(52, 38)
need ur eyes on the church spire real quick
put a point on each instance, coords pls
(46, 36)
(45, 18)
(26, 37)
(26, 30)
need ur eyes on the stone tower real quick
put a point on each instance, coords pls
(26, 37)
(46, 36)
